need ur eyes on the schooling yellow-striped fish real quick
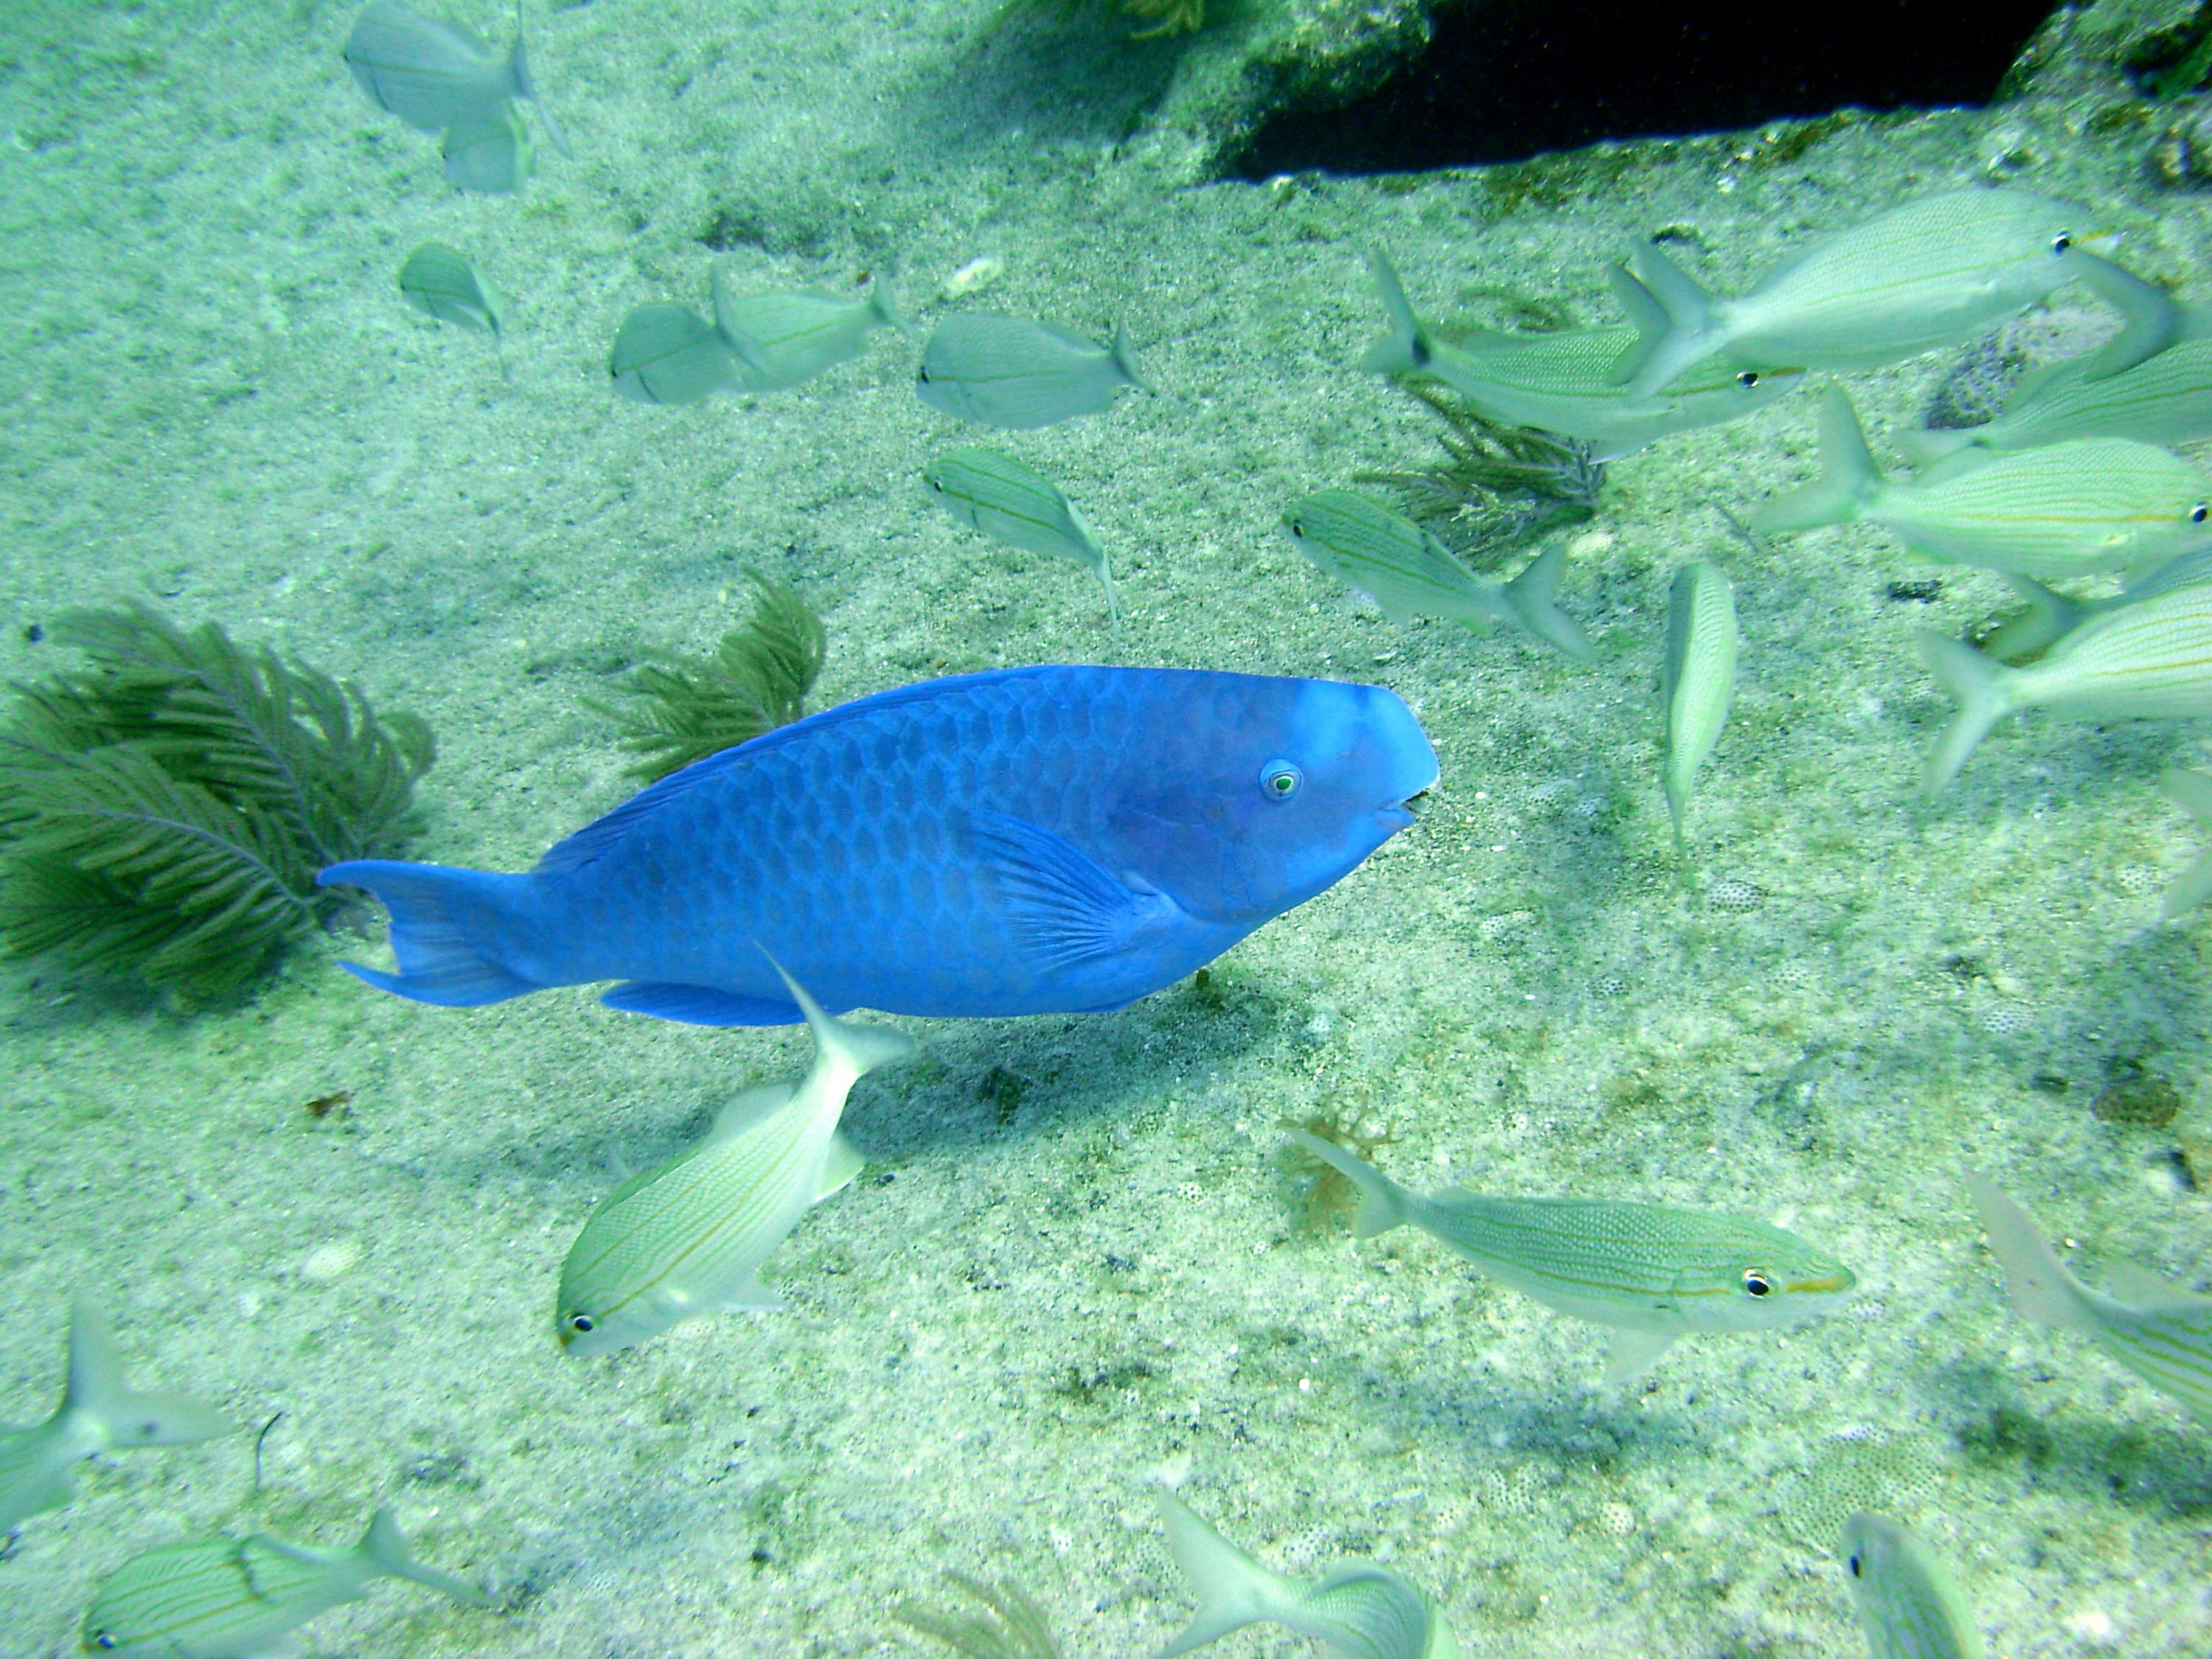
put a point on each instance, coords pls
(2162, 1333)
(1018, 373)
(2166, 400)
(1360, 1610)
(2069, 509)
(241, 1598)
(1648, 1273)
(2192, 793)
(1698, 685)
(1906, 1602)
(1934, 272)
(99, 1413)
(688, 1239)
(2148, 660)
(2050, 617)
(781, 340)
(1009, 502)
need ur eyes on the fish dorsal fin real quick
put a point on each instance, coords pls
(1631, 1353)
(1063, 907)
(588, 842)
(2145, 1291)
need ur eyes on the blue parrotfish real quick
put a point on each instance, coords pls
(1029, 841)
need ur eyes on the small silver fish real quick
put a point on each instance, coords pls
(1360, 1610)
(2165, 399)
(1562, 382)
(2069, 509)
(2050, 617)
(1931, 273)
(783, 339)
(2192, 793)
(2148, 660)
(1699, 682)
(668, 354)
(1648, 1273)
(440, 283)
(99, 1413)
(241, 1598)
(1906, 1603)
(689, 1238)
(1409, 572)
(1010, 502)
(2160, 1333)
(1018, 373)
(434, 75)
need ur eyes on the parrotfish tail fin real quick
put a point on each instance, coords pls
(1233, 1590)
(525, 87)
(98, 1394)
(446, 926)
(1406, 349)
(1925, 446)
(857, 1050)
(1382, 1201)
(1644, 311)
(384, 1549)
(1977, 684)
(2192, 793)
(1692, 333)
(2041, 1289)
(1530, 595)
(1848, 474)
(2150, 320)
(1125, 359)
(2049, 618)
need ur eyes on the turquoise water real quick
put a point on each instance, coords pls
(1073, 1267)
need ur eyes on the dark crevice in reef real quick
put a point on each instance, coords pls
(1504, 79)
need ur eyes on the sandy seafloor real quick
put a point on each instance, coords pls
(212, 394)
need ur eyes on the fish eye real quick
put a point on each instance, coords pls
(582, 1324)
(1279, 780)
(2199, 512)
(2062, 241)
(937, 484)
(100, 1638)
(1854, 1563)
(922, 375)
(1297, 529)
(1756, 1283)
(1748, 378)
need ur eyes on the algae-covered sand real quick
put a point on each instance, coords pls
(1072, 1265)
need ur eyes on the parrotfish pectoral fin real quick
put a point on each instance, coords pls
(1631, 1353)
(699, 1004)
(1530, 595)
(442, 920)
(1382, 1201)
(2151, 322)
(1848, 474)
(1693, 331)
(2041, 1289)
(97, 1390)
(1233, 1590)
(1063, 906)
(384, 1548)
(1978, 685)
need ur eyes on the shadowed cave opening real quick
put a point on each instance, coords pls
(1503, 80)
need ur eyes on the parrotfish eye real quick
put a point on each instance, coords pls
(1279, 780)
(1748, 378)
(1756, 1283)
(2199, 512)
(2062, 241)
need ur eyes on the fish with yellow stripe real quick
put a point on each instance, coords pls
(1650, 1272)
(2160, 1333)
(1907, 1605)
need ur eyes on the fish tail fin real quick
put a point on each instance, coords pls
(1382, 1201)
(1125, 359)
(2192, 793)
(1692, 325)
(1645, 314)
(883, 306)
(1233, 1590)
(1927, 444)
(526, 88)
(2049, 618)
(1848, 474)
(384, 1548)
(446, 930)
(1530, 595)
(97, 1392)
(1406, 349)
(2150, 320)
(1977, 684)
(2042, 1289)
(856, 1049)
